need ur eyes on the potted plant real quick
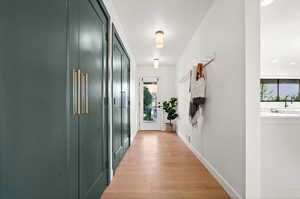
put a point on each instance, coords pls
(170, 108)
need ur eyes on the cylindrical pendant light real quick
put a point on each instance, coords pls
(159, 39)
(156, 63)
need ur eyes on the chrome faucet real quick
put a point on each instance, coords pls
(286, 101)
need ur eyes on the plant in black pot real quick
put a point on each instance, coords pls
(170, 108)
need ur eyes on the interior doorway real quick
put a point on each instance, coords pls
(150, 113)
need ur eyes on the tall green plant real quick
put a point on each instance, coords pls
(170, 108)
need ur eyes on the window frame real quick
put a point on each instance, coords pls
(278, 90)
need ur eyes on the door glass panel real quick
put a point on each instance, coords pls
(150, 101)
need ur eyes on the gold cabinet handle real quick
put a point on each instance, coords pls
(86, 93)
(76, 91)
(80, 92)
(82, 82)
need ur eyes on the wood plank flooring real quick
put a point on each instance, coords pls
(159, 166)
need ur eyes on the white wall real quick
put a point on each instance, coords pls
(167, 79)
(280, 39)
(280, 158)
(220, 137)
(133, 90)
(276, 72)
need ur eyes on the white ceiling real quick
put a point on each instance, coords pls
(280, 36)
(179, 19)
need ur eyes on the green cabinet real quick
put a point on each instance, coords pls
(47, 149)
(121, 100)
(93, 129)
(125, 101)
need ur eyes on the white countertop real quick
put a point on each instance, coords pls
(283, 113)
(279, 115)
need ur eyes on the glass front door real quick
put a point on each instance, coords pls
(150, 116)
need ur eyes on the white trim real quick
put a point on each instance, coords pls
(251, 106)
(132, 137)
(144, 125)
(223, 182)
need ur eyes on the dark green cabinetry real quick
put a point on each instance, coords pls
(93, 131)
(121, 100)
(125, 101)
(47, 152)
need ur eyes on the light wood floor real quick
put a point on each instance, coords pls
(159, 166)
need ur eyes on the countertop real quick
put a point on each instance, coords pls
(283, 113)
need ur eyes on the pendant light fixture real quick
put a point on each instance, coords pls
(159, 39)
(156, 63)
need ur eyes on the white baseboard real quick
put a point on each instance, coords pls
(132, 136)
(223, 182)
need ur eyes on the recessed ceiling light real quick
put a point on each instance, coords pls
(293, 63)
(265, 3)
(156, 63)
(274, 61)
(159, 39)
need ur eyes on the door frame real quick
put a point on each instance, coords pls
(141, 99)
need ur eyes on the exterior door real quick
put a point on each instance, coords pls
(93, 131)
(150, 114)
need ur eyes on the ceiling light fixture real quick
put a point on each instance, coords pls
(274, 61)
(265, 3)
(156, 63)
(159, 39)
(293, 63)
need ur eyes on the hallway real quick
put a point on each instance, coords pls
(89, 93)
(159, 166)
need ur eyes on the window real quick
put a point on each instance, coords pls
(269, 90)
(289, 88)
(277, 90)
(150, 101)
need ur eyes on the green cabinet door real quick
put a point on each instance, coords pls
(121, 95)
(93, 170)
(46, 152)
(117, 149)
(36, 125)
(125, 102)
